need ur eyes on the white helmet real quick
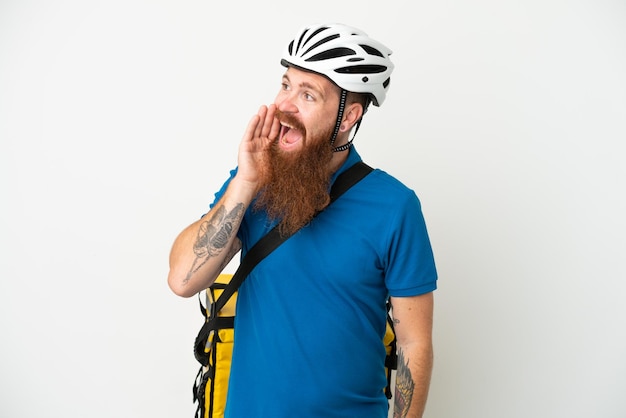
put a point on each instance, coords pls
(346, 55)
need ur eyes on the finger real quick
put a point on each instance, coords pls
(275, 129)
(262, 114)
(249, 134)
(268, 121)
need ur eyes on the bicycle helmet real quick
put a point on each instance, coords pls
(346, 55)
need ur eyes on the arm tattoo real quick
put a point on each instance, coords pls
(214, 234)
(404, 387)
(234, 249)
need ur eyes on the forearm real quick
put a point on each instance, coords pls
(413, 323)
(204, 248)
(415, 363)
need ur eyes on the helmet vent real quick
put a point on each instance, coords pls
(331, 53)
(322, 42)
(372, 51)
(303, 44)
(362, 69)
(299, 42)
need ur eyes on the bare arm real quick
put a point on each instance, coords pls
(204, 248)
(413, 319)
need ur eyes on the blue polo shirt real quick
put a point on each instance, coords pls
(311, 316)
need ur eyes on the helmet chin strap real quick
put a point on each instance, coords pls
(342, 106)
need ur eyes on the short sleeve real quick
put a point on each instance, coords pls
(410, 265)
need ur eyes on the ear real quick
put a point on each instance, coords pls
(351, 116)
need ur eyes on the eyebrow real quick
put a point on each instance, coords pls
(307, 85)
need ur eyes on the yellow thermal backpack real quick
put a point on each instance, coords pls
(211, 384)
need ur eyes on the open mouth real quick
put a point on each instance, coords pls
(284, 128)
(288, 134)
(292, 130)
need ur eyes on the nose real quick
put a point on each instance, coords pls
(285, 103)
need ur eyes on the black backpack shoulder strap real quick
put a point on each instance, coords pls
(273, 239)
(349, 178)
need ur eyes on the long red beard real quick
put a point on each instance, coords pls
(296, 184)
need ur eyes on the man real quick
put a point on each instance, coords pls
(311, 316)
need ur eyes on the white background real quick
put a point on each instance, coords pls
(120, 119)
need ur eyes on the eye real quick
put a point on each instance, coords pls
(284, 86)
(308, 97)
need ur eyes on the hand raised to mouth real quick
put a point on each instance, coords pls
(262, 130)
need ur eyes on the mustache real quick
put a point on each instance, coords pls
(291, 120)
